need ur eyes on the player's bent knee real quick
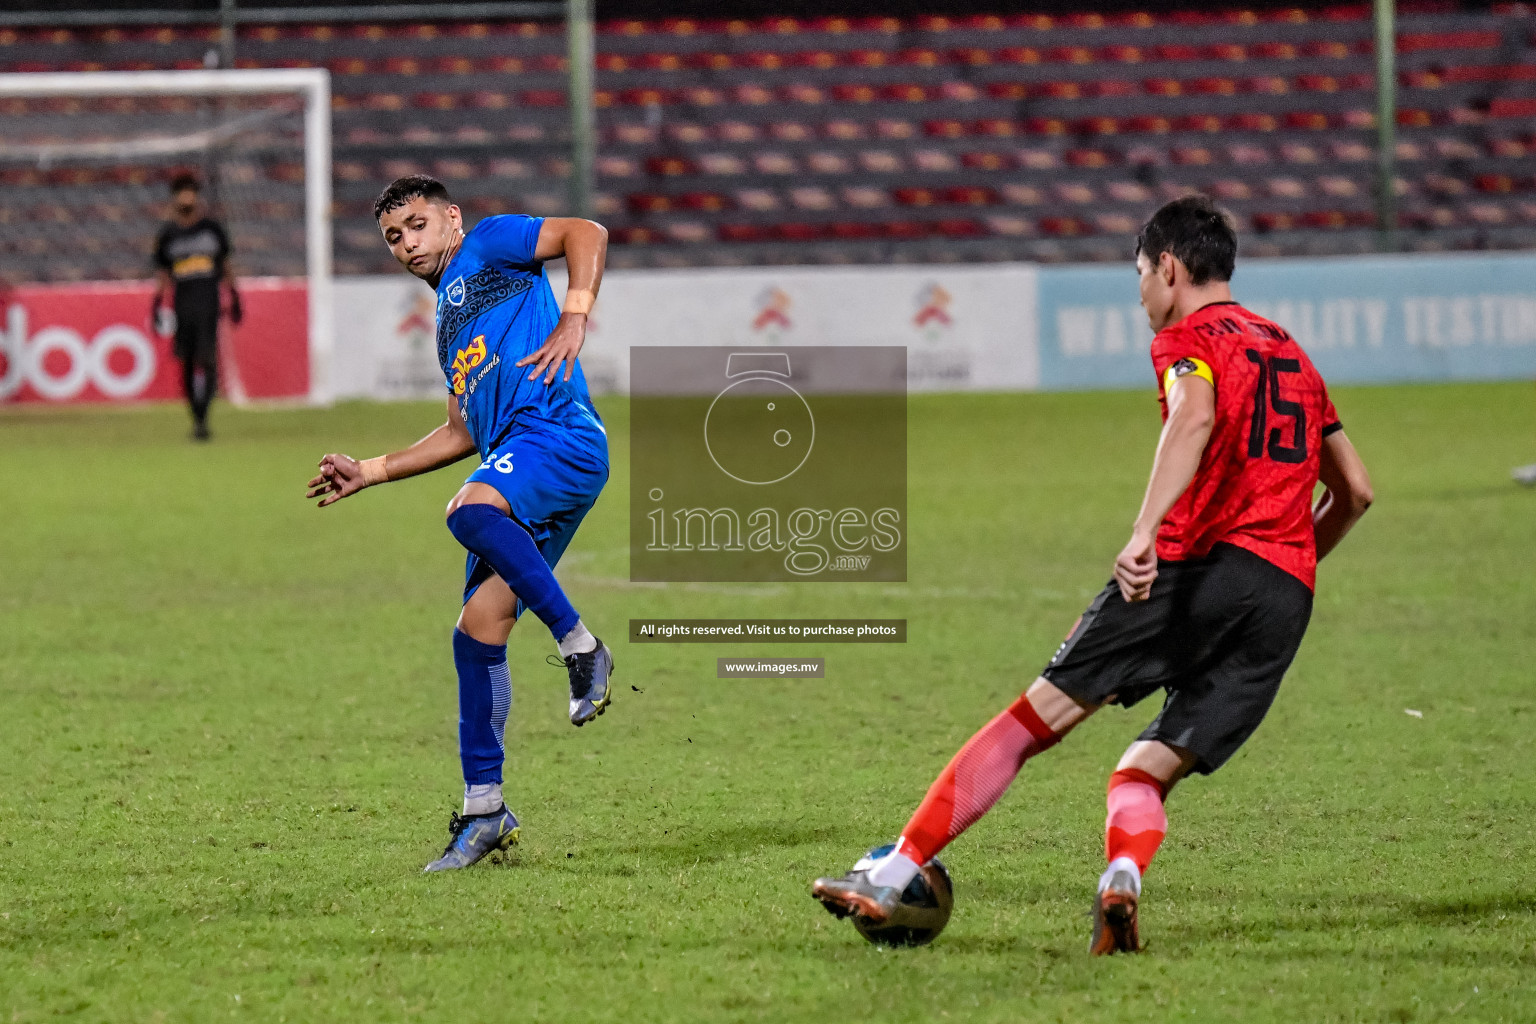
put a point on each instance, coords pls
(1056, 709)
(476, 493)
(1164, 762)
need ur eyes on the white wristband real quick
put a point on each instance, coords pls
(374, 471)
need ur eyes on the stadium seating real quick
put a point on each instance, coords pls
(930, 138)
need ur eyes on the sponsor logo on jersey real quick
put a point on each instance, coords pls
(455, 292)
(466, 359)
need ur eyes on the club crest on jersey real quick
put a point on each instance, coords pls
(455, 291)
(466, 359)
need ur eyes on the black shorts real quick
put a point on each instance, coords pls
(1217, 633)
(197, 334)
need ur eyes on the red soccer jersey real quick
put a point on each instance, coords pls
(1255, 481)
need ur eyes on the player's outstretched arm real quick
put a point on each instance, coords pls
(1191, 414)
(584, 244)
(1347, 492)
(342, 475)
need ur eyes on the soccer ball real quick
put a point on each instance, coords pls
(924, 910)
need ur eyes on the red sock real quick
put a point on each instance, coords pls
(1137, 822)
(975, 779)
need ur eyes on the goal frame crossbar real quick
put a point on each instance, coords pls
(314, 85)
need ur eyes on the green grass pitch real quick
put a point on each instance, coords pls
(227, 747)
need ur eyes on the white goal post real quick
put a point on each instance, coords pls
(312, 85)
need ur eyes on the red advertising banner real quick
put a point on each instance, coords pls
(93, 343)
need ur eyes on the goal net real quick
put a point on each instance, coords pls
(86, 160)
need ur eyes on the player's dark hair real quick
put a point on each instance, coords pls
(1195, 231)
(403, 190)
(186, 182)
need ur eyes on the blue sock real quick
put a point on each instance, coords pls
(506, 547)
(485, 697)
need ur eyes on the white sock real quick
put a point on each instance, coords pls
(894, 869)
(577, 641)
(1120, 864)
(482, 799)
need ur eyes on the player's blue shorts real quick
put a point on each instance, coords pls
(550, 481)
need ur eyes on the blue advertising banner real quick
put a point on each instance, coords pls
(1363, 320)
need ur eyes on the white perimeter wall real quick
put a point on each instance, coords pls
(1002, 327)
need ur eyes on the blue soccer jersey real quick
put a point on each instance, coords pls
(495, 306)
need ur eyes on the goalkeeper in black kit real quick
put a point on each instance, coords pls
(192, 264)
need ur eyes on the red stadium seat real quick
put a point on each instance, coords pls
(986, 160)
(1152, 123)
(1007, 90)
(959, 227)
(1310, 120)
(1192, 156)
(1059, 90)
(648, 202)
(1197, 123)
(853, 230)
(915, 196)
(906, 229)
(1272, 51)
(1088, 158)
(1213, 86)
(905, 92)
(970, 195)
(798, 231)
(1017, 55)
(1069, 55)
(868, 58)
(945, 129)
(721, 163)
(670, 166)
(741, 233)
(1108, 88)
(1064, 227)
(849, 93)
(1253, 122)
(1123, 54)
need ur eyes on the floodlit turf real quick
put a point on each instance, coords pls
(228, 725)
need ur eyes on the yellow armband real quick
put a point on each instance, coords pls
(1184, 367)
